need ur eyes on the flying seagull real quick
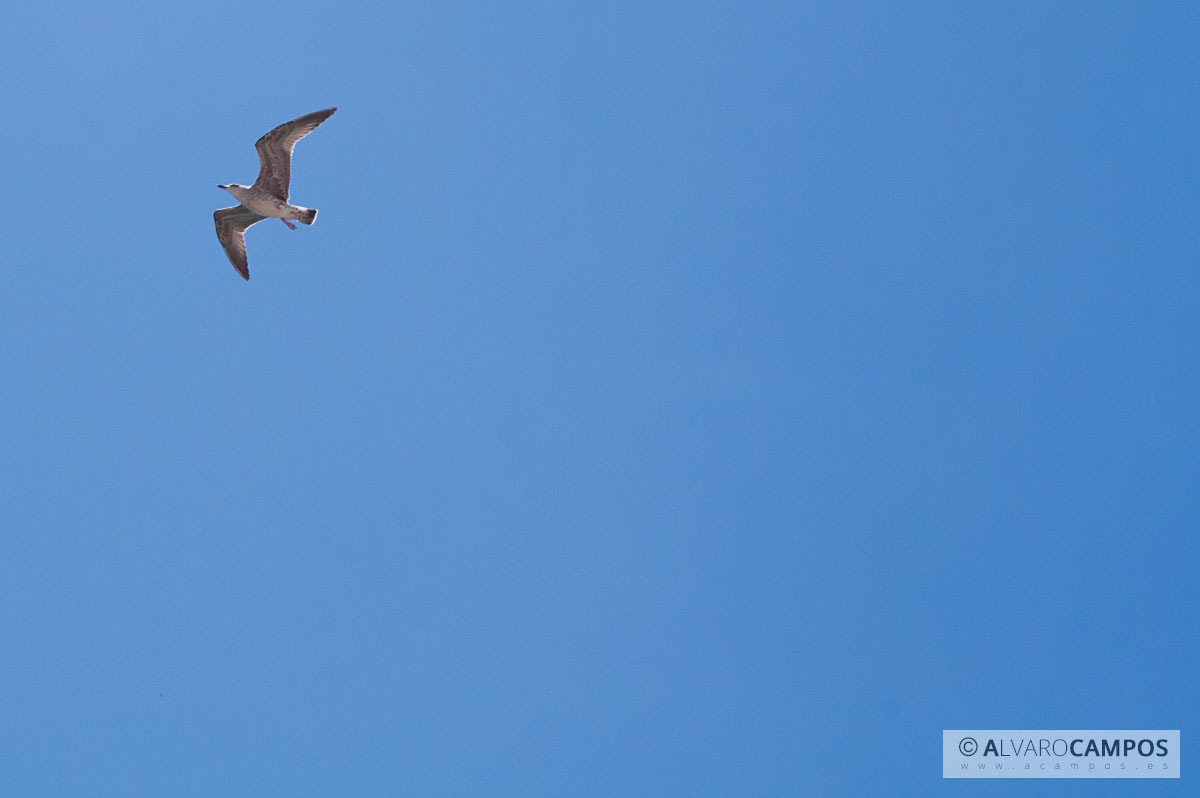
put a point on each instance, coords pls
(268, 197)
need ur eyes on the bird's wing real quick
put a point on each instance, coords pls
(231, 231)
(275, 152)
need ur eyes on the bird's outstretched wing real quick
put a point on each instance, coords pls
(231, 231)
(275, 152)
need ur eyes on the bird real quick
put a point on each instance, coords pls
(268, 197)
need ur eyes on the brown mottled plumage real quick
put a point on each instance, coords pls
(268, 197)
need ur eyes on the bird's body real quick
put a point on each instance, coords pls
(266, 204)
(268, 197)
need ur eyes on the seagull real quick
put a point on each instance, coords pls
(268, 197)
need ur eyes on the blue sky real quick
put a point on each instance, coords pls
(670, 399)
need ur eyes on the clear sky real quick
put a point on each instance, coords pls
(713, 399)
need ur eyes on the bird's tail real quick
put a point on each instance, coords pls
(308, 217)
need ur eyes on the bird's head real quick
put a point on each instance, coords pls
(239, 192)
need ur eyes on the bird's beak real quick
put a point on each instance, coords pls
(222, 186)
